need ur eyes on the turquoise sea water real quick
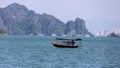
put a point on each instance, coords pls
(37, 52)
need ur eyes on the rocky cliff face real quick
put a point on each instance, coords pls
(51, 25)
(18, 20)
(77, 27)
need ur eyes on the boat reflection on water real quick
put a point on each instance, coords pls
(67, 43)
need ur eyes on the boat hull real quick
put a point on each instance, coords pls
(63, 46)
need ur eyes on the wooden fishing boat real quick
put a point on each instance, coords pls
(66, 43)
(63, 45)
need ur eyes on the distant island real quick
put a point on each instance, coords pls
(16, 19)
(112, 34)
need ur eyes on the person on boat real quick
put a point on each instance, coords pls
(73, 42)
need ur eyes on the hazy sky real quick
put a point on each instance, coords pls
(92, 11)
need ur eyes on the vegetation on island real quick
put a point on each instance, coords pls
(19, 20)
(2, 31)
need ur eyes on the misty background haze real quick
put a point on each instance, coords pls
(98, 14)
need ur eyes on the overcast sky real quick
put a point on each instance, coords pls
(92, 11)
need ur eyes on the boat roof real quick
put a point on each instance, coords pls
(77, 39)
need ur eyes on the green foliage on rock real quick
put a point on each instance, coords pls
(2, 31)
(19, 20)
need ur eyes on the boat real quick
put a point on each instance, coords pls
(66, 43)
